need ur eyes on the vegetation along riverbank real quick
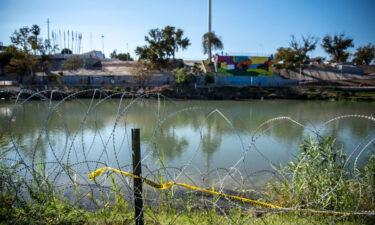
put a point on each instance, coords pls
(203, 93)
(317, 179)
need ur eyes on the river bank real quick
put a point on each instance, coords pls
(197, 93)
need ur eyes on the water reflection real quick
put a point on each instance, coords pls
(183, 131)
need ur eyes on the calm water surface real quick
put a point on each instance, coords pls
(196, 136)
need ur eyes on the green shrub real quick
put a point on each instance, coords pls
(183, 76)
(72, 63)
(209, 78)
(55, 78)
(318, 176)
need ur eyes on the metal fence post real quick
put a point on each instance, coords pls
(137, 170)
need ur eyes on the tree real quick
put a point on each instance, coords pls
(161, 45)
(285, 58)
(297, 54)
(20, 62)
(211, 42)
(9, 53)
(121, 56)
(21, 38)
(336, 47)
(156, 50)
(174, 40)
(66, 51)
(141, 72)
(27, 39)
(35, 31)
(301, 50)
(72, 63)
(21, 65)
(364, 55)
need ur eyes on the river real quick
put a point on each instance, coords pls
(192, 138)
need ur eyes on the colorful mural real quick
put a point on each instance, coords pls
(244, 66)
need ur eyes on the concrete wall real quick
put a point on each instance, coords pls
(275, 80)
(96, 81)
(319, 74)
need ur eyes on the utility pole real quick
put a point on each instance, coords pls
(49, 42)
(90, 41)
(209, 28)
(103, 44)
(209, 15)
(127, 52)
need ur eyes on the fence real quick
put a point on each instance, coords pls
(47, 153)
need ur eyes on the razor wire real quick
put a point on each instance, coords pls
(66, 166)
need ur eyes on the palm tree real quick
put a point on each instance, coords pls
(211, 42)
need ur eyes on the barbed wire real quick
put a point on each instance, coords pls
(62, 151)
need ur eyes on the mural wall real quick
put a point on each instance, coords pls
(244, 66)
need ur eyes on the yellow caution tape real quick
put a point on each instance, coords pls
(93, 175)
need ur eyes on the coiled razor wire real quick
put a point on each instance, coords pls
(66, 174)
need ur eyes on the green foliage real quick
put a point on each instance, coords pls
(209, 78)
(9, 53)
(285, 58)
(55, 78)
(141, 72)
(161, 45)
(336, 47)
(211, 42)
(21, 62)
(297, 54)
(72, 63)
(49, 213)
(66, 51)
(121, 56)
(27, 39)
(318, 175)
(183, 76)
(196, 69)
(364, 55)
(21, 65)
(317, 169)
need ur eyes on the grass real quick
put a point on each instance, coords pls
(318, 169)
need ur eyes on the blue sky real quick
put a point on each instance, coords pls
(245, 26)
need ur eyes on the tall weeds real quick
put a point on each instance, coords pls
(320, 178)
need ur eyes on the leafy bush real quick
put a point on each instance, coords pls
(66, 51)
(57, 78)
(209, 78)
(72, 63)
(183, 76)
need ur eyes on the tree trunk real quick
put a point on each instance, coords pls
(209, 50)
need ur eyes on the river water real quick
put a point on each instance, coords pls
(192, 138)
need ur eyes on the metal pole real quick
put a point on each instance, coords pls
(127, 52)
(103, 43)
(209, 15)
(209, 28)
(137, 170)
(49, 42)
